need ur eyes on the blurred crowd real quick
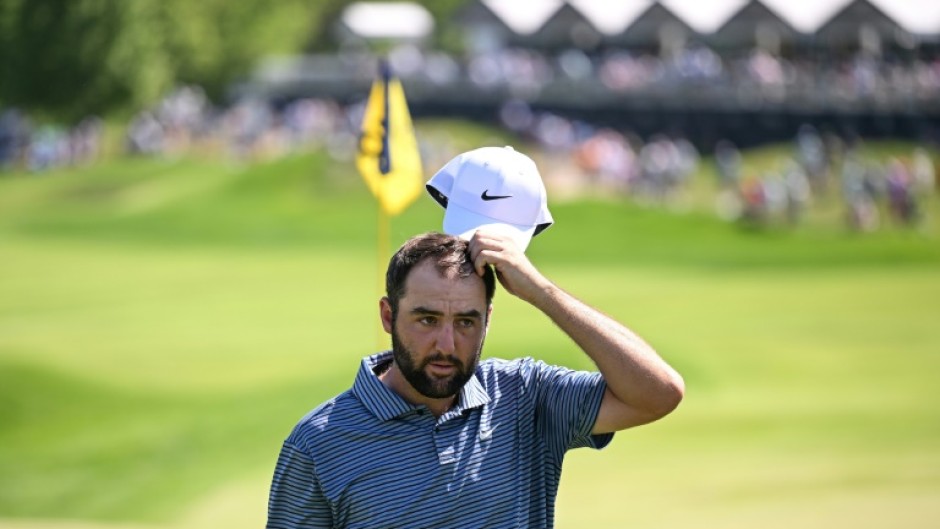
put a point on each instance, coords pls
(47, 146)
(753, 74)
(871, 190)
(604, 159)
(576, 157)
(251, 129)
(184, 122)
(820, 170)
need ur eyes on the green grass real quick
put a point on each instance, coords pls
(163, 324)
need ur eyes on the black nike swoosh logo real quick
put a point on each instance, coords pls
(486, 196)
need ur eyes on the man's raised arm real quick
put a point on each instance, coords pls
(641, 386)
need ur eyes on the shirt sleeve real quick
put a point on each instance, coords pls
(296, 500)
(567, 403)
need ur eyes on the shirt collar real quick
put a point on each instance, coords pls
(385, 404)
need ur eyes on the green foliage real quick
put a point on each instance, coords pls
(215, 42)
(447, 36)
(70, 58)
(322, 36)
(84, 56)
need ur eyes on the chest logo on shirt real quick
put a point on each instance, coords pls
(486, 433)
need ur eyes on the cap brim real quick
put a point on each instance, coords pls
(464, 223)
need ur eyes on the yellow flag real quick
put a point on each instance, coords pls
(388, 156)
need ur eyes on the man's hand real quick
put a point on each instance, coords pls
(513, 269)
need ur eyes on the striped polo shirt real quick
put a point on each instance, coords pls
(369, 459)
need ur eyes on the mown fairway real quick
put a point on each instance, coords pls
(164, 324)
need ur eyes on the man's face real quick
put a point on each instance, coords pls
(438, 333)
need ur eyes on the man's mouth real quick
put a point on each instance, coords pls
(442, 368)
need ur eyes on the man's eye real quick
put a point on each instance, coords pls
(428, 320)
(466, 324)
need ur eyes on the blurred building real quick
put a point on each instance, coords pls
(747, 70)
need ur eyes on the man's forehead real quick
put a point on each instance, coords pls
(427, 283)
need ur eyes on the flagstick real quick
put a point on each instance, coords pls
(382, 256)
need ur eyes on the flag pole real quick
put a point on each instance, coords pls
(389, 161)
(384, 167)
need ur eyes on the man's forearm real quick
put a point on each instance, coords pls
(641, 387)
(635, 374)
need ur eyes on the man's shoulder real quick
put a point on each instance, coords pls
(500, 371)
(525, 371)
(511, 366)
(503, 363)
(318, 420)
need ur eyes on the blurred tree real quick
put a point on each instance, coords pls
(322, 37)
(74, 57)
(69, 58)
(214, 42)
(447, 36)
(7, 7)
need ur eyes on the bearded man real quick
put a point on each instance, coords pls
(431, 436)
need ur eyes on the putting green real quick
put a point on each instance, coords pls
(153, 357)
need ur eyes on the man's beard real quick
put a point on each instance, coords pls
(429, 386)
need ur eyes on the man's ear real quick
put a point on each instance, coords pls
(385, 312)
(489, 315)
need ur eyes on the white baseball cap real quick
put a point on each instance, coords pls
(495, 187)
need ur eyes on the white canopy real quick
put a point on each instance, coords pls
(806, 16)
(611, 17)
(393, 20)
(704, 16)
(921, 17)
(525, 17)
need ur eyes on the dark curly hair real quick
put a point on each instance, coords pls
(449, 253)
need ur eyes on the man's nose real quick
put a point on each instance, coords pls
(445, 339)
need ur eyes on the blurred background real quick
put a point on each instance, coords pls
(188, 257)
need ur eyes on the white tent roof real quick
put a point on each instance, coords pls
(917, 16)
(524, 18)
(611, 18)
(806, 16)
(704, 16)
(405, 20)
